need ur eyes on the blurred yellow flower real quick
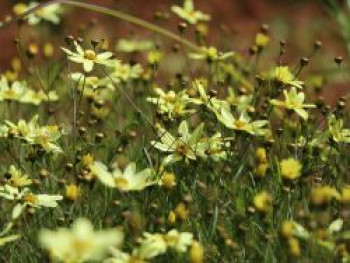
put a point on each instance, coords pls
(80, 243)
(290, 169)
(262, 202)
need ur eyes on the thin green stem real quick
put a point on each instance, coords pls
(107, 11)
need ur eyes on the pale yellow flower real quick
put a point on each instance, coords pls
(290, 169)
(80, 243)
(189, 14)
(50, 13)
(283, 75)
(89, 57)
(294, 101)
(127, 180)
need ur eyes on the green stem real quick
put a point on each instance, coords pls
(110, 12)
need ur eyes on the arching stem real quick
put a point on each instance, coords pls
(114, 13)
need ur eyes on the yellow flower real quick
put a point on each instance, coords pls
(89, 57)
(294, 247)
(260, 171)
(181, 211)
(125, 72)
(18, 179)
(294, 101)
(188, 13)
(127, 180)
(345, 195)
(73, 192)
(243, 123)
(262, 202)
(171, 218)
(11, 91)
(196, 253)
(260, 155)
(336, 130)
(87, 160)
(287, 229)
(261, 40)
(185, 146)
(179, 241)
(171, 104)
(80, 243)
(285, 76)
(151, 246)
(168, 180)
(323, 195)
(211, 54)
(49, 13)
(290, 169)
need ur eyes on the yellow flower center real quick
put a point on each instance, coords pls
(121, 182)
(171, 239)
(90, 54)
(9, 94)
(240, 124)
(182, 149)
(81, 246)
(30, 198)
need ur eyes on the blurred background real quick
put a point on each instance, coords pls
(233, 26)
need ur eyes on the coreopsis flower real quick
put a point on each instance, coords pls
(34, 134)
(262, 202)
(89, 57)
(11, 91)
(323, 195)
(168, 180)
(186, 145)
(211, 54)
(129, 46)
(27, 198)
(283, 75)
(180, 241)
(46, 137)
(125, 72)
(294, 101)
(205, 99)
(156, 244)
(345, 195)
(290, 169)
(261, 40)
(171, 104)
(189, 14)
(154, 56)
(81, 243)
(241, 103)
(151, 246)
(214, 147)
(293, 229)
(294, 247)
(73, 192)
(50, 13)
(37, 97)
(87, 82)
(127, 180)
(261, 155)
(196, 253)
(260, 170)
(336, 130)
(17, 178)
(243, 123)
(21, 129)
